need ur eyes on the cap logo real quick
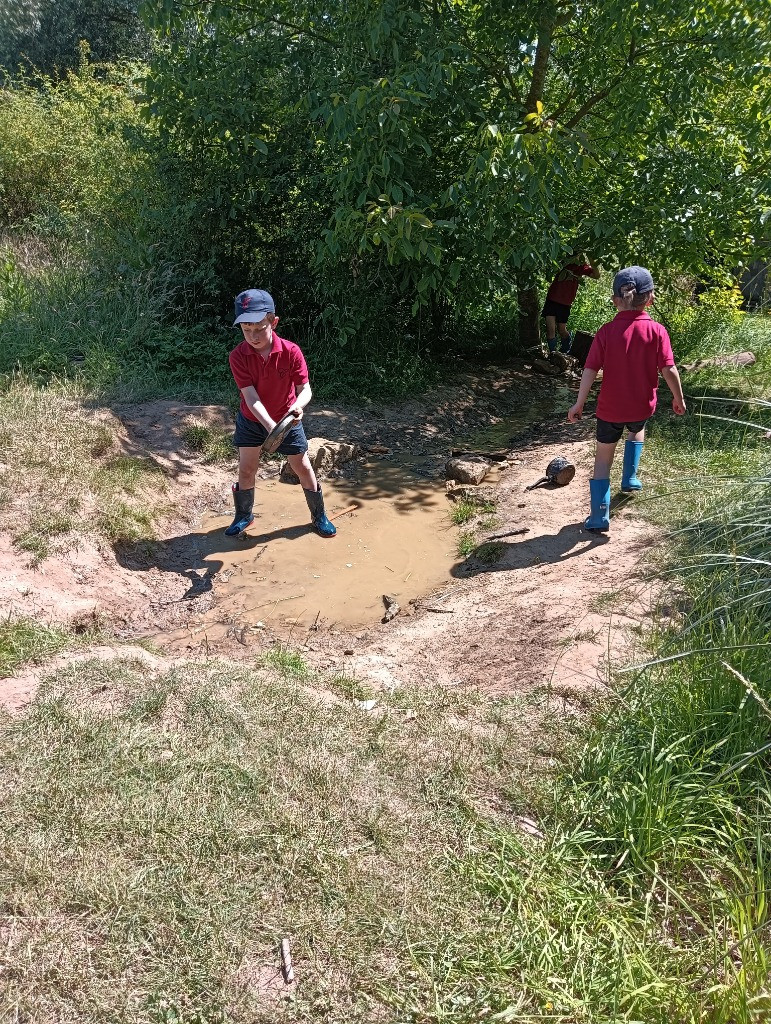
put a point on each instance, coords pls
(245, 302)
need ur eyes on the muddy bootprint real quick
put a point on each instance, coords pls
(244, 503)
(321, 524)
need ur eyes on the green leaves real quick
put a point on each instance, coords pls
(496, 137)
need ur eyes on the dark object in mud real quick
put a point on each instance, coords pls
(558, 472)
(579, 349)
(276, 436)
(560, 360)
(392, 607)
(545, 367)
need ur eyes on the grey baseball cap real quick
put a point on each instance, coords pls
(637, 277)
(252, 306)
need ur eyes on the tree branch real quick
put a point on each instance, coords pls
(584, 109)
(540, 65)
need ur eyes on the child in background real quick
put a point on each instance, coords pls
(630, 351)
(560, 297)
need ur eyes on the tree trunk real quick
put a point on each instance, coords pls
(529, 313)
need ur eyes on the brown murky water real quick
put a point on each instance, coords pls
(282, 576)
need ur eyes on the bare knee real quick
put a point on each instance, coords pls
(301, 465)
(248, 464)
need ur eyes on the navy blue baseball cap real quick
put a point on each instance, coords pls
(636, 277)
(252, 306)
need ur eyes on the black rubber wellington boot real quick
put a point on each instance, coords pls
(321, 524)
(244, 502)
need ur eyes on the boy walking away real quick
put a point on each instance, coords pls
(559, 298)
(630, 351)
(272, 375)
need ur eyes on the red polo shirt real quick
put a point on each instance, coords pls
(275, 378)
(564, 287)
(630, 351)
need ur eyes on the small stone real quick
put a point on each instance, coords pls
(348, 651)
(366, 705)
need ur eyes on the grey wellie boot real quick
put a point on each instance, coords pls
(244, 502)
(321, 524)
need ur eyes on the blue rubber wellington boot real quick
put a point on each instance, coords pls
(629, 479)
(600, 495)
(321, 524)
(566, 343)
(551, 344)
(244, 502)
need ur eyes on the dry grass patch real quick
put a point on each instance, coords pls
(175, 834)
(62, 475)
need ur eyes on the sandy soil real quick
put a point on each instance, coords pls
(530, 619)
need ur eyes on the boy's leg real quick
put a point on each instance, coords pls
(603, 459)
(302, 467)
(243, 491)
(248, 464)
(551, 332)
(608, 435)
(566, 338)
(630, 482)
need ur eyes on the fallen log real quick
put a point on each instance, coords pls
(737, 359)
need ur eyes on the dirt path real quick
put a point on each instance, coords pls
(550, 610)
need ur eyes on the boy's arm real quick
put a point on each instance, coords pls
(672, 377)
(304, 395)
(256, 407)
(587, 379)
(596, 273)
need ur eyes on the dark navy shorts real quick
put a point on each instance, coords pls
(250, 434)
(556, 309)
(609, 433)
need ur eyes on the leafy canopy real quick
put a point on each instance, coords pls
(437, 153)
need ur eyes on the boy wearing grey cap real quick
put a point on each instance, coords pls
(272, 376)
(631, 350)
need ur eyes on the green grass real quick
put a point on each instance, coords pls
(490, 552)
(466, 509)
(214, 444)
(288, 663)
(467, 542)
(24, 640)
(162, 833)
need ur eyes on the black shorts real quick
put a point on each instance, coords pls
(250, 434)
(556, 309)
(609, 433)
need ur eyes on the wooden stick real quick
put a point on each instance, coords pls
(344, 512)
(286, 962)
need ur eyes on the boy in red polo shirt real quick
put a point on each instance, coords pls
(272, 377)
(560, 297)
(630, 351)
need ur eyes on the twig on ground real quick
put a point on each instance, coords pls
(286, 962)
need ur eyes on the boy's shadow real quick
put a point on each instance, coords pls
(571, 541)
(197, 557)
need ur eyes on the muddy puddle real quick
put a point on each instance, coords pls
(284, 578)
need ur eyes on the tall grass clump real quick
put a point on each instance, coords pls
(646, 898)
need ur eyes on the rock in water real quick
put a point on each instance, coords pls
(469, 470)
